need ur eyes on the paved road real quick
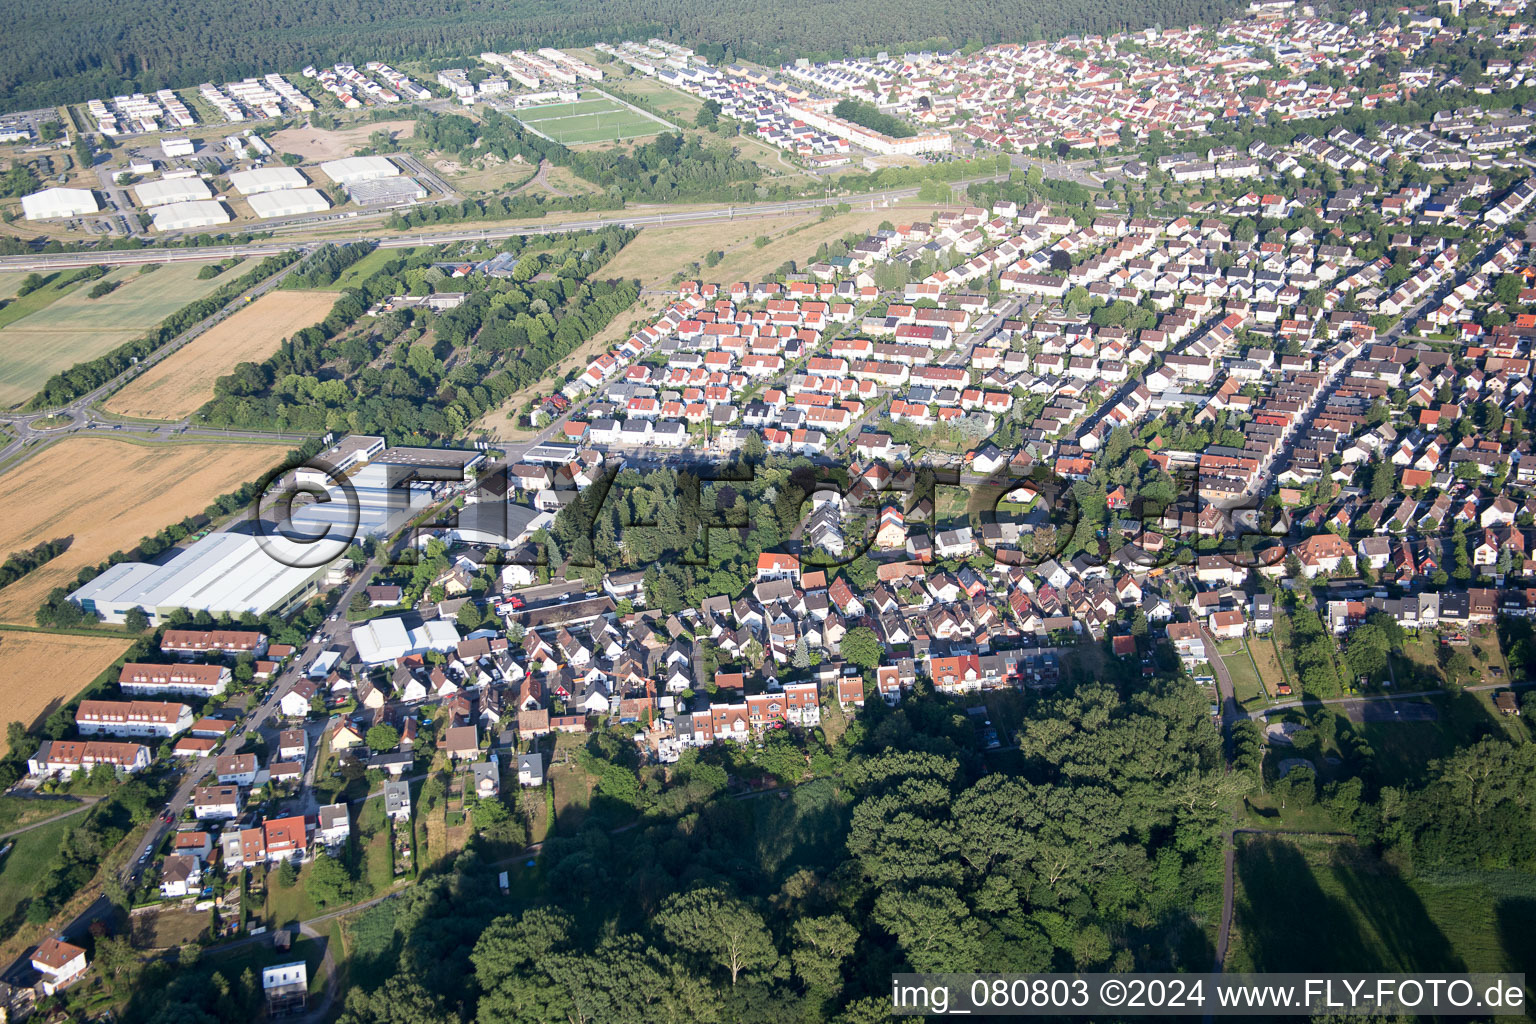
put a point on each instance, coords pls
(1318, 702)
(638, 217)
(1230, 713)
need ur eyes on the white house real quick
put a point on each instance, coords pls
(59, 963)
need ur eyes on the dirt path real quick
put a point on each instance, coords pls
(90, 801)
(541, 179)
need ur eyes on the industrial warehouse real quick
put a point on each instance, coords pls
(257, 566)
(354, 169)
(171, 190)
(267, 179)
(289, 202)
(56, 203)
(199, 213)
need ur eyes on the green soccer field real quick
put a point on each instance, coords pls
(589, 120)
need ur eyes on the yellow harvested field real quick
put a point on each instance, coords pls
(659, 252)
(176, 386)
(40, 671)
(106, 494)
(319, 144)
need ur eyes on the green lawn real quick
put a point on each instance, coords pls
(366, 267)
(24, 867)
(594, 119)
(373, 837)
(1307, 904)
(1245, 676)
(1404, 749)
(16, 811)
(287, 904)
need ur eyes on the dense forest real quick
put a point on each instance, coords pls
(415, 376)
(1098, 846)
(143, 45)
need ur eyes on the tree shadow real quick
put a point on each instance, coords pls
(1410, 938)
(1287, 921)
(1516, 919)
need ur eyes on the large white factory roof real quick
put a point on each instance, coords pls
(59, 202)
(201, 213)
(234, 571)
(288, 203)
(359, 168)
(266, 179)
(223, 572)
(171, 190)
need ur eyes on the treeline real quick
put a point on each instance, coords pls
(138, 45)
(387, 377)
(83, 378)
(59, 612)
(322, 267)
(23, 562)
(869, 115)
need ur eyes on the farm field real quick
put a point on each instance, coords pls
(659, 252)
(107, 494)
(38, 671)
(590, 119)
(318, 144)
(1345, 909)
(69, 327)
(177, 385)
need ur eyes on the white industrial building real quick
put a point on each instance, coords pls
(171, 190)
(359, 168)
(288, 203)
(385, 640)
(53, 203)
(177, 147)
(201, 213)
(235, 572)
(266, 179)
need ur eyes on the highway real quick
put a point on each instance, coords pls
(473, 232)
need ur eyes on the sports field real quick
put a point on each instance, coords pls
(590, 119)
(39, 671)
(177, 385)
(68, 327)
(106, 494)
